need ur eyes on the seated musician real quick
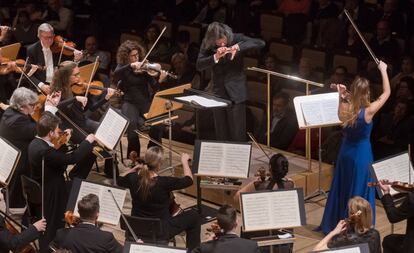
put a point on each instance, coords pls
(398, 242)
(76, 106)
(228, 241)
(86, 236)
(17, 127)
(279, 167)
(10, 241)
(42, 153)
(40, 53)
(356, 229)
(151, 196)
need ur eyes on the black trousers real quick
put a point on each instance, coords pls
(230, 122)
(393, 243)
(188, 221)
(134, 113)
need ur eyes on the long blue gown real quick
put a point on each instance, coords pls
(351, 174)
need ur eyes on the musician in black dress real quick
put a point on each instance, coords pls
(139, 88)
(42, 152)
(222, 52)
(151, 196)
(399, 242)
(75, 107)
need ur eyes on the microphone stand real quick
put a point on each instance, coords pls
(124, 218)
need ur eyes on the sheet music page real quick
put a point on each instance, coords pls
(202, 101)
(142, 248)
(394, 169)
(8, 156)
(111, 128)
(108, 212)
(318, 112)
(271, 210)
(349, 250)
(224, 159)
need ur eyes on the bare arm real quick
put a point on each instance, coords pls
(386, 92)
(323, 244)
(247, 188)
(186, 167)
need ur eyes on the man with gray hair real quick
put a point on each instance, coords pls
(86, 236)
(40, 54)
(222, 52)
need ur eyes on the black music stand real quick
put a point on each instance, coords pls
(206, 213)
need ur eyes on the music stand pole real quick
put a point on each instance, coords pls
(168, 107)
(114, 166)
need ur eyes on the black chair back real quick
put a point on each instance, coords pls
(31, 190)
(149, 230)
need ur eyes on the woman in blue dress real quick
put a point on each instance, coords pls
(355, 156)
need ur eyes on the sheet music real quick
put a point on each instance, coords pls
(108, 212)
(224, 159)
(394, 169)
(320, 112)
(111, 128)
(8, 159)
(349, 250)
(142, 248)
(202, 101)
(270, 210)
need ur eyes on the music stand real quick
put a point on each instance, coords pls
(10, 51)
(161, 111)
(204, 211)
(307, 84)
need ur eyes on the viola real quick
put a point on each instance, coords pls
(154, 69)
(62, 139)
(262, 174)
(39, 108)
(62, 45)
(95, 88)
(20, 63)
(10, 225)
(396, 185)
(216, 230)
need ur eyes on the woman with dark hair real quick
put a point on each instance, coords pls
(138, 88)
(279, 167)
(76, 107)
(151, 196)
(355, 155)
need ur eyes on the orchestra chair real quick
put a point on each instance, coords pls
(350, 62)
(194, 30)
(283, 51)
(148, 230)
(250, 62)
(161, 23)
(317, 57)
(130, 36)
(257, 92)
(32, 193)
(271, 26)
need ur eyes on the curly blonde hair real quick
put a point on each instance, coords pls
(122, 56)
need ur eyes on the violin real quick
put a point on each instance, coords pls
(39, 107)
(402, 187)
(154, 69)
(71, 219)
(62, 139)
(216, 230)
(20, 63)
(262, 174)
(95, 88)
(61, 45)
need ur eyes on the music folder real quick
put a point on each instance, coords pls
(113, 125)
(357, 248)
(108, 211)
(275, 209)
(9, 158)
(133, 247)
(222, 159)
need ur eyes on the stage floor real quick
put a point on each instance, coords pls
(306, 238)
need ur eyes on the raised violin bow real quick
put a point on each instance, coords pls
(93, 72)
(257, 144)
(153, 45)
(361, 36)
(124, 218)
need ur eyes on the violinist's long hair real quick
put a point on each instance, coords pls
(360, 98)
(363, 222)
(279, 167)
(214, 32)
(61, 79)
(153, 158)
(122, 56)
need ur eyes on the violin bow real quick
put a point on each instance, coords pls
(95, 64)
(361, 36)
(153, 45)
(21, 75)
(43, 187)
(124, 218)
(61, 53)
(257, 144)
